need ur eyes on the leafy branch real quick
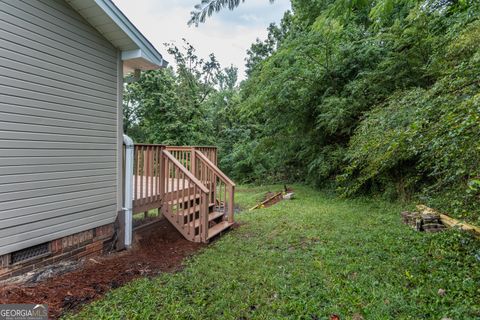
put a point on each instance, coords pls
(208, 7)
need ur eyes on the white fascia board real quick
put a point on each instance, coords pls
(146, 50)
(136, 59)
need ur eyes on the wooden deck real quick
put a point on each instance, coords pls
(188, 187)
(150, 186)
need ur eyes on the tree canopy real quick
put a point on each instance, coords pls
(364, 96)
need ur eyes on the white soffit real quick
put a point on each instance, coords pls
(137, 51)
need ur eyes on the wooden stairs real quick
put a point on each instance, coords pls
(186, 216)
(188, 187)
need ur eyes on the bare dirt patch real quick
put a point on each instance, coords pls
(159, 248)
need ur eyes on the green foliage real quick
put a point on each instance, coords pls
(369, 96)
(208, 7)
(311, 258)
(427, 139)
(381, 95)
(169, 107)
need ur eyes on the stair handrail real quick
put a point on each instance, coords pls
(219, 173)
(217, 170)
(204, 194)
(186, 172)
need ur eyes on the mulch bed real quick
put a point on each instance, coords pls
(159, 248)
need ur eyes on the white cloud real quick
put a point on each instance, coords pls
(227, 34)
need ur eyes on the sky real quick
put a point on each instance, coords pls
(227, 34)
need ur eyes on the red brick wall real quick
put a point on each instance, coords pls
(84, 244)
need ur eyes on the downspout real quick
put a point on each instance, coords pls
(128, 196)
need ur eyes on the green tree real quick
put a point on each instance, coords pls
(167, 106)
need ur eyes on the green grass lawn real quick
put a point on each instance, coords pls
(310, 258)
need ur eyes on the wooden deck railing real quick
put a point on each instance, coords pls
(186, 185)
(185, 196)
(184, 154)
(147, 177)
(221, 188)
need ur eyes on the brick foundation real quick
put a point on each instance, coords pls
(80, 245)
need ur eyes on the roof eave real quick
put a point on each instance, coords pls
(137, 59)
(137, 51)
(148, 51)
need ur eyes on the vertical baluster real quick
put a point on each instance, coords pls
(187, 209)
(214, 188)
(147, 175)
(153, 172)
(141, 173)
(210, 185)
(219, 194)
(152, 176)
(164, 182)
(183, 198)
(189, 159)
(157, 166)
(167, 181)
(193, 159)
(172, 185)
(225, 199)
(170, 182)
(161, 174)
(177, 181)
(195, 190)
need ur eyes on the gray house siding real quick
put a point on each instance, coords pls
(59, 120)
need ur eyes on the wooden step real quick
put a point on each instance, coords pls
(184, 199)
(211, 216)
(215, 214)
(184, 213)
(216, 229)
(189, 210)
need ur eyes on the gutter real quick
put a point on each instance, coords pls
(128, 196)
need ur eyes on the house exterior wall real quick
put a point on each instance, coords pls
(59, 124)
(81, 245)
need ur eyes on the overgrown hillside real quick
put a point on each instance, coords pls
(367, 96)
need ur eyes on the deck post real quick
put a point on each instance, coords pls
(231, 209)
(204, 215)
(163, 177)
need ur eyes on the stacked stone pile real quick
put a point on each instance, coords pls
(423, 221)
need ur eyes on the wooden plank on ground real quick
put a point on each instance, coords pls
(266, 201)
(450, 222)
